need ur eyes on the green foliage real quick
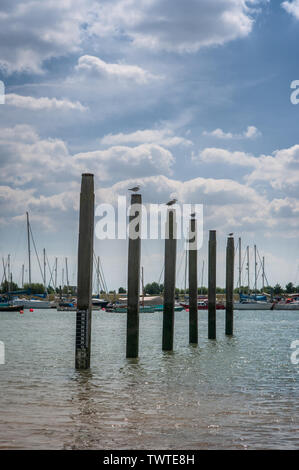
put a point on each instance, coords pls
(35, 288)
(290, 288)
(153, 289)
(8, 286)
(122, 290)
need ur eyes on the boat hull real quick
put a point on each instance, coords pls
(289, 306)
(11, 308)
(253, 306)
(35, 304)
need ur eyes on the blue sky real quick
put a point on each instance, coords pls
(191, 98)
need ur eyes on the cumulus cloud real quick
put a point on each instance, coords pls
(251, 133)
(96, 66)
(28, 158)
(165, 137)
(37, 104)
(32, 32)
(280, 170)
(292, 8)
(117, 161)
(173, 26)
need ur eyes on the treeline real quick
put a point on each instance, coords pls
(157, 289)
(35, 288)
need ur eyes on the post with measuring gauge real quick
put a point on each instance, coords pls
(85, 269)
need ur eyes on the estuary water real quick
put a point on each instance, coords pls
(232, 393)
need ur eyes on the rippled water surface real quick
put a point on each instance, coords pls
(233, 393)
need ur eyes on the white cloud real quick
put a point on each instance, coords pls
(37, 104)
(34, 31)
(251, 133)
(165, 137)
(118, 161)
(292, 8)
(96, 66)
(280, 170)
(174, 26)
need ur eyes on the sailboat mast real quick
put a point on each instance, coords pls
(255, 276)
(55, 273)
(202, 273)
(248, 275)
(98, 275)
(8, 273)
(29, 253)
(67, 275)
(142, 281)
(263, 276)
(240, 264)
(45, 282)
(23, 268)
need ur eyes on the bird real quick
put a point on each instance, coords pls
(135, 189)
(230, 234)
(193, 214)
(170, 203)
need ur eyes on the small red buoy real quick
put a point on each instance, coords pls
(21, 311)
(31, 310)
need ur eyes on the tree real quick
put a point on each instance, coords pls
(122, 290)
(277, 289)
(8, 286)
(152, 289)
(35, 288)
(290, 289)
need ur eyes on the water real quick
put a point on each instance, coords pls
(233, 393)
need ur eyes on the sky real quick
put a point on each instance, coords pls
(188, 99)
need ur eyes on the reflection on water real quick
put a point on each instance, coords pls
(232, 393)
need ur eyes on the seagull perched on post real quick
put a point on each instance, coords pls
(170, 203)
(193, 214)
(230, 234)
(135, 189)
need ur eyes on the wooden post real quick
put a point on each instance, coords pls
(85, 265)
(169, 281)
(134, 276)
(212, 286)
(229, 316)
(193, 310)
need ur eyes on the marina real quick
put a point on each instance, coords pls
(236, 393)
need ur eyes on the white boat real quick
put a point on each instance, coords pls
(32, 303)
(253, 306)
(287, 306)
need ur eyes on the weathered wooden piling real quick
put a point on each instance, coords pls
(229, 290)
(212, 286)
(85, 268)
(193, 311)
(169, 281)
(134, 276)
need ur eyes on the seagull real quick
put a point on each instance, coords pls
(135, 189)
(170, 203)
(193, 214)
(230, 234)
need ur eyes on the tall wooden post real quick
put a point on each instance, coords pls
(212, 286)
(193, 310)
(169, 281)
(229, 316)
(134, 276)
(85, 265)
